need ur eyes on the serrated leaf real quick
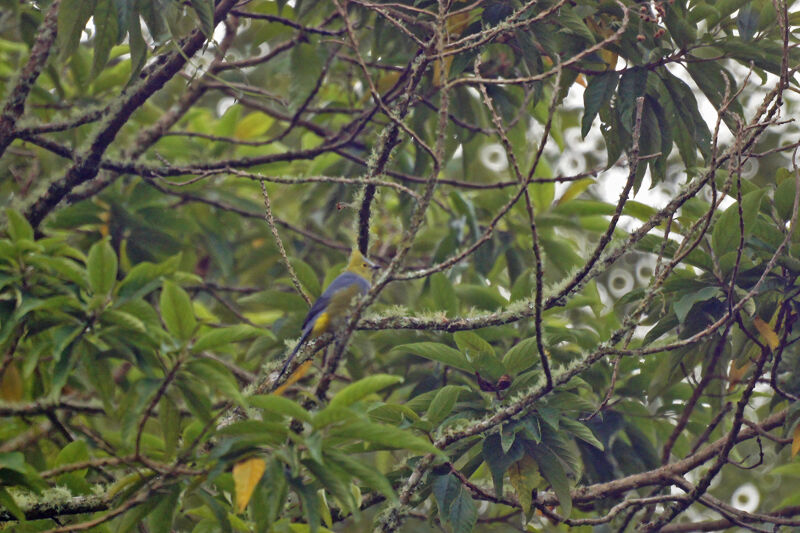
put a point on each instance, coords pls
(228, 335)
(279, 405)
(246, 475)
(177, 312)
(463, 513)
(551, 469)
(101, 267)
(437, 352)
(598, 93)
(524, 477)
(497, 460)
(205, 13)
(445, 489)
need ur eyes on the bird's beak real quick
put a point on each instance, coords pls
(372, 265)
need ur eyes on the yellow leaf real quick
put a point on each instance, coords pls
(11, 386)
(253, 125)
(736, 373)
(796, 440)
(767, 333)
(437, 81)
(575, 188)
(296, 376)
(246, 475)
(524, 477)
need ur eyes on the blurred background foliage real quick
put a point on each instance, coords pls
(148, 303)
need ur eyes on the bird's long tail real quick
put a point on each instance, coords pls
(300, 343)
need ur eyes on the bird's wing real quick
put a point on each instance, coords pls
(342, 281)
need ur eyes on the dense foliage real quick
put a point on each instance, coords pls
(584, 214)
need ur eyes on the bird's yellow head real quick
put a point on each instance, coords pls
(360, 265)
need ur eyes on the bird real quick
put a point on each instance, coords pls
(333, 306)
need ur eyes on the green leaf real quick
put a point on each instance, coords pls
(521, 356)
(682, 32)
(443, 403)
(471, 343)
(362, 388)
(169, 418)
(161, 518)
(177, 312)
(445, 489)
(138, 47)
(747, 22)
(437, 352)
(331, 482)
(7, 501)
(306, 68)
(581, 431)
(598, 93)
(280, 405)
(106, 28)
(685, 304)
(217, 376)
(369, 475)
(551, 469)
(726, 235)
(72, 18)
(444, 295)
(228, 335)
(631, 86)
(388, 437)
(18, 226)
(205, 13)
(306, 275)
(497, 460)
(73, 452)
(525, 478)
(463, 513)
(784, 198)
(101, 267)
(310, 502)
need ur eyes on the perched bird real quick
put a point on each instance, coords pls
(330, 310)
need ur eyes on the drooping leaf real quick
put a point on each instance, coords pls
(106, 26)
(246, 475)
(598, 93)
